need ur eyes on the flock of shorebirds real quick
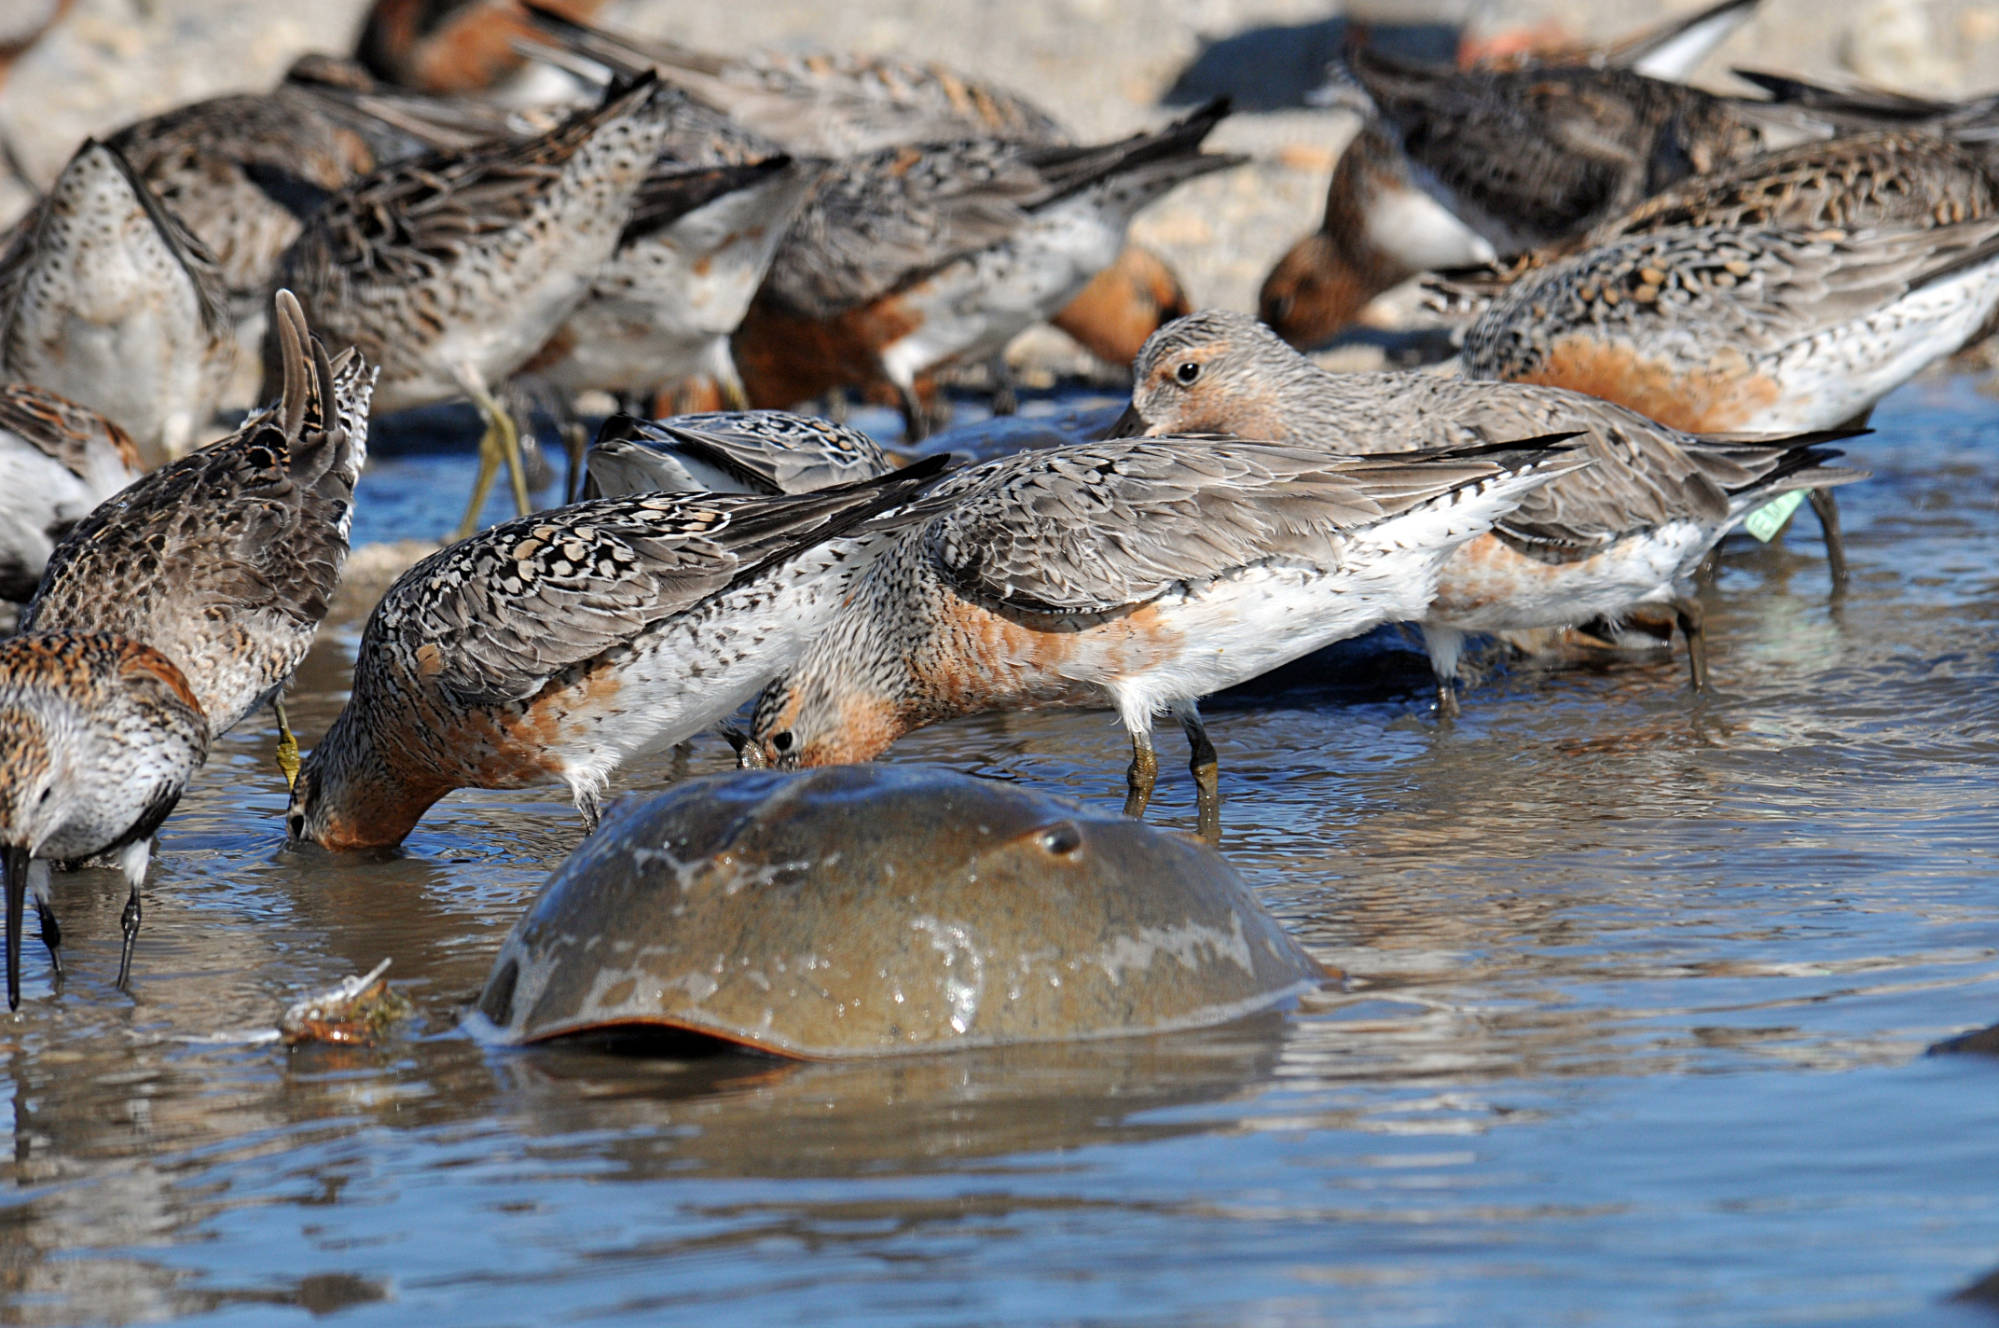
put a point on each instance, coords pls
(1670, 301)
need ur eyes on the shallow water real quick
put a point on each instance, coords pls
(1641, 989)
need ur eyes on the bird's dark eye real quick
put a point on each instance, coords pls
(781, 741)
(1187, 372)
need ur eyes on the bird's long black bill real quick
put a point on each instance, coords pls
(14, 861)
(1131, 424)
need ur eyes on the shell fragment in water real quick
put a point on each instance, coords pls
(354, 1012)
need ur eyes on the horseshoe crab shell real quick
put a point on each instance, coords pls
(871, 910)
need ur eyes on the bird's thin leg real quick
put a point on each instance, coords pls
(915, 420)
(1141, 775)
(288, 762)
(132, 860)
(1207, 774)
(1006, 392)
(730, 380)
(575, 445)
(38, 890)
(51, 935)
(129, 920)
(1687, 611)
(482, 482)
(1827, 508)
(1445, 646)
(592, 809)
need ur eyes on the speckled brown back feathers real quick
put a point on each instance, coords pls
(406, 257)
(80, 664)
(226, 560)
(882, 219)
(822, 101)
(239, 171)
(1723, 291)
(64, 431)
(1544, 153)
(399, 223)
(61, 460)
(1898, 179)
(108, 299)
(502, 612)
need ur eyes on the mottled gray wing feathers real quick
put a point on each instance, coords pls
(819, 101)
(879, 217)
(671, 192)
(791, 455)
(1883, 180)
(1647, 479)
(1102, 527)
(883, 219)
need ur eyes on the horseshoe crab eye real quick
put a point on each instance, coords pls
(1062, 839)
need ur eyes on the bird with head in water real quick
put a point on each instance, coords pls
(98, 736)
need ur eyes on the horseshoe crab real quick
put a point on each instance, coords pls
(872, 910)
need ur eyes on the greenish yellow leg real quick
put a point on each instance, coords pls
(288, 761)
(576, 446)
(510, 448)
(1827, 508)
(482, 484)
(1692, 627)
(501, 440)
(1140, 776)
(1207, 770)
(733, 391)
